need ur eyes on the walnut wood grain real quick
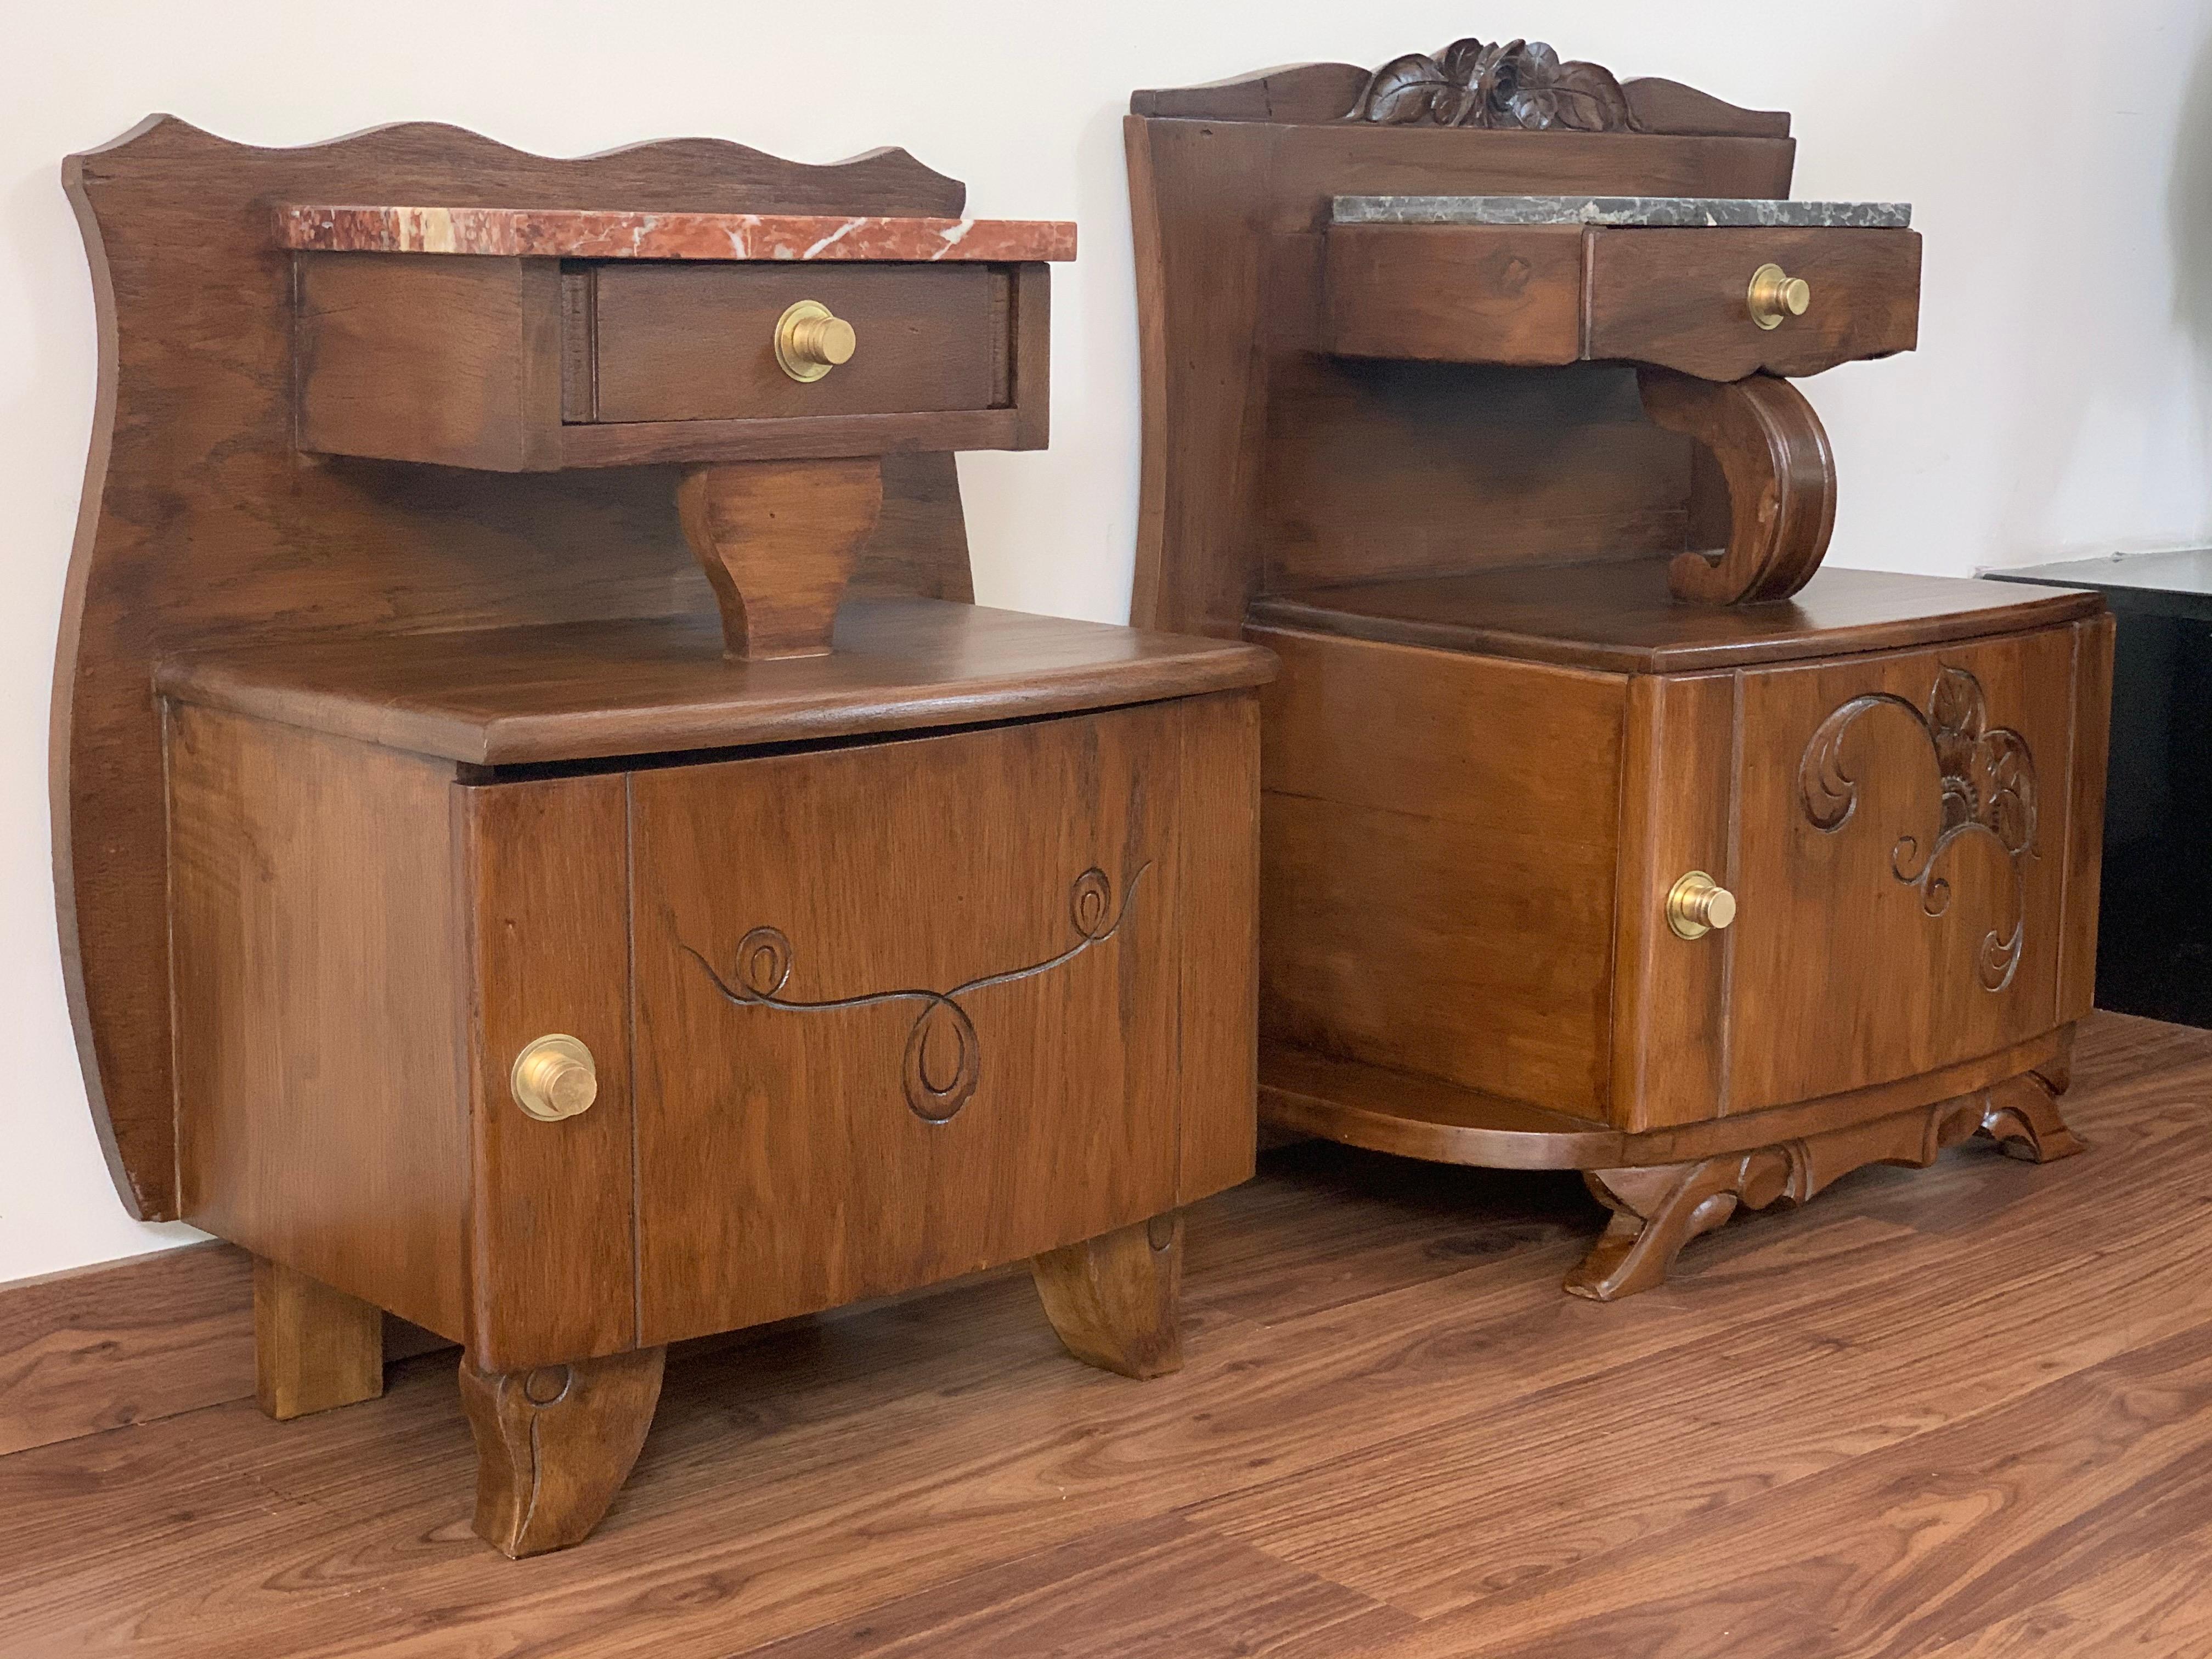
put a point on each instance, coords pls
(544, 932)
(778, 542)
(1456, 293)
(963, 1051)
(314, 1348)
(321, 1126)
(573, 691)
(1781, 476)
(554, 1444)
(1622, 618)
(197, 497)
(697, 343)
(1115, 1299)
(1676, 298)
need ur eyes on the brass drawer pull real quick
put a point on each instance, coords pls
(810, 340)
(1697, 905)
(1774, 295)
(554, 1077)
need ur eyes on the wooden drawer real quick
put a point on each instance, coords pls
(1547, 294)
(660, 342)
(540, 364)
(1678, 298)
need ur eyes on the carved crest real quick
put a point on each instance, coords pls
(1512, 83)
(1985, 785)
(942, 1029)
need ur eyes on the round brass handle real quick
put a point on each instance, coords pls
(554, 1077)
(1774, 295)
(1697, 905)
(810, 340)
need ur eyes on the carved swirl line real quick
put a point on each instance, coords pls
(765, 958)
(1984, 786)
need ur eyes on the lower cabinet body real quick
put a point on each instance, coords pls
(1467, 949)
(856, 1019)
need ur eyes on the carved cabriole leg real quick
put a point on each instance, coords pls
(1781, 479)
(313, 1347)
(2021, 1116)
(779, 541)
(554, 1444)
(1659, 1208)
(1114, 1299)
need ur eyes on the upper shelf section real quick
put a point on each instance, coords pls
(1663, 211)
(536, 233)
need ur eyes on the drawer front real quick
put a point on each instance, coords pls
(1680, 298)
(1905, 824)
(902, 1012)
(693, 342)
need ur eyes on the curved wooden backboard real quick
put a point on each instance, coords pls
(201, 521)
(1270, 464)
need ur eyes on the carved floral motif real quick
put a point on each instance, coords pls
(1513, 83)
(934, 1092)
(1985, 785)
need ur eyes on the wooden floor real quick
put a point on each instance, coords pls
(1960, 1411)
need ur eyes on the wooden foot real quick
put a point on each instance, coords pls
(1659, 1208)
(779, 541)
(2022, 1117)
(313, 1347)
(1114, 1299)
(554, 1445)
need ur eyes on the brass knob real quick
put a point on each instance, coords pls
(1697, 905)
(810, 341)
(554, 1077)
(1774, 295)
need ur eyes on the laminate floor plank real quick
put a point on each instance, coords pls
(1927, 1413)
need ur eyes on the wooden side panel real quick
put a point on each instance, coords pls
(1678, 814)
(317, 971)
(1678, 298)
(201, 520)
(452, 359)
(1456, 293)
(1439, 835)
(2085, 839)
(1877, 893)
(552, 1235)
(1218, 835)
(958, 1051)
(697, 342)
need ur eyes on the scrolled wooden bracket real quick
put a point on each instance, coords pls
(779, 541)
(1781, 479)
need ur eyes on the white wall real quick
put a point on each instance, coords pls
(2059, 158)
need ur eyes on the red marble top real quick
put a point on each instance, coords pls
(594, 235)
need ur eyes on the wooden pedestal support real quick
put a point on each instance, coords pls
(779, 541)
(555, 1443)
(1658, 1208)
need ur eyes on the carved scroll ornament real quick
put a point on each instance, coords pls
(1985, 785)
(934, 1093)
(1513, 83)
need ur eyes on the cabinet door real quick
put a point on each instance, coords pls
(1904, 824)
(902, 1011)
